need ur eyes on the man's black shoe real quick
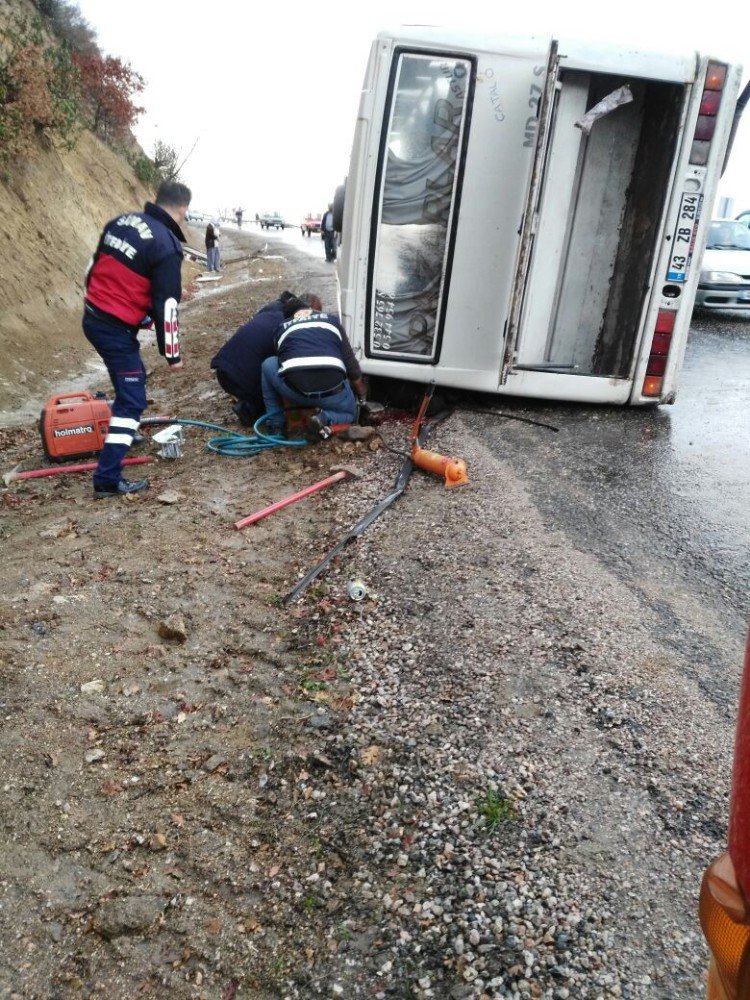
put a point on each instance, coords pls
(317, 428)
(244, 413)
(119, 489)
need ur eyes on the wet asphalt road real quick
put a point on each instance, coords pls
(659, 496)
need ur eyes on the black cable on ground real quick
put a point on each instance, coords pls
(511, 416)
(372, 515)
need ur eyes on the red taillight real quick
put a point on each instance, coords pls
(716, 76)
(665, 321)
(704, 130)
(657, 359)
(652, 386)
(710, 102)
(660, 343)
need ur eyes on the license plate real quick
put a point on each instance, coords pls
(683, 238)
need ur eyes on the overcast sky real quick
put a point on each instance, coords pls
(268, 92)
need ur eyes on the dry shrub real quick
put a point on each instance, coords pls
(26, 107)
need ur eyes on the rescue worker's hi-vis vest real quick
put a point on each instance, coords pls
(136, 272)
(310, 355)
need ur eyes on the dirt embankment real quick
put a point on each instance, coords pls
(52, 209)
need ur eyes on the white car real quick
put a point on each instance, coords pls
(725, 270)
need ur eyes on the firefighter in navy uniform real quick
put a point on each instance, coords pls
(238, 362)
(135, 274)
(314, 366)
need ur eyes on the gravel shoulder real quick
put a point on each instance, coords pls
(493, 777)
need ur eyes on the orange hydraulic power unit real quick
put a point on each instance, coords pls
(74, 425)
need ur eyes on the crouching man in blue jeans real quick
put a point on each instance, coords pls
(314, 366)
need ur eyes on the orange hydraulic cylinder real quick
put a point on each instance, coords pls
(452, 469)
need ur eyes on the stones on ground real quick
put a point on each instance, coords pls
(357, 433)
(173, 628)
(55, 931)
(62, 529)
(96, 686)
(214, 763)
(320, 720)
(480, 681)
(473, 831)
(127, 915)
(169, 497)
(94, 756)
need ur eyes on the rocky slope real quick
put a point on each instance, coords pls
(52, 208)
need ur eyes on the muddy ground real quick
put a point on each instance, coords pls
(148, 800)
(463, 786)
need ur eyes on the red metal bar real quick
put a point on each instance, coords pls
(417, 426)
(85, 467)
(739, 805)
(280, 504)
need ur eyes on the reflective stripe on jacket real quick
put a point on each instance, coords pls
(137, 268)
(311, 358)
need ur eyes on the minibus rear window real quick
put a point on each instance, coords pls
(414, 214)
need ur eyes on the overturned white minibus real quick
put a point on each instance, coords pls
(526, 216)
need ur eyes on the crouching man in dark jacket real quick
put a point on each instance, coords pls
(135, 273)
(314, 366)
(237, 364)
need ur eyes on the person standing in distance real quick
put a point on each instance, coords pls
(212, 245)
(134, 276)
(328, 234)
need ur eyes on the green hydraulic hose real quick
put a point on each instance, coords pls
(233, 444)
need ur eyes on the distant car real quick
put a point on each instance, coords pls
(272, 220)
(724, 281)
(195, 216)
(311, 224)
(744, 218)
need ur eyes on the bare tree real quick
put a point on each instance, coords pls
(68, 23)
(165, 160)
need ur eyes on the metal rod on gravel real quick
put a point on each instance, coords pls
(364, 522)
(60, 469)
(337, 477)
